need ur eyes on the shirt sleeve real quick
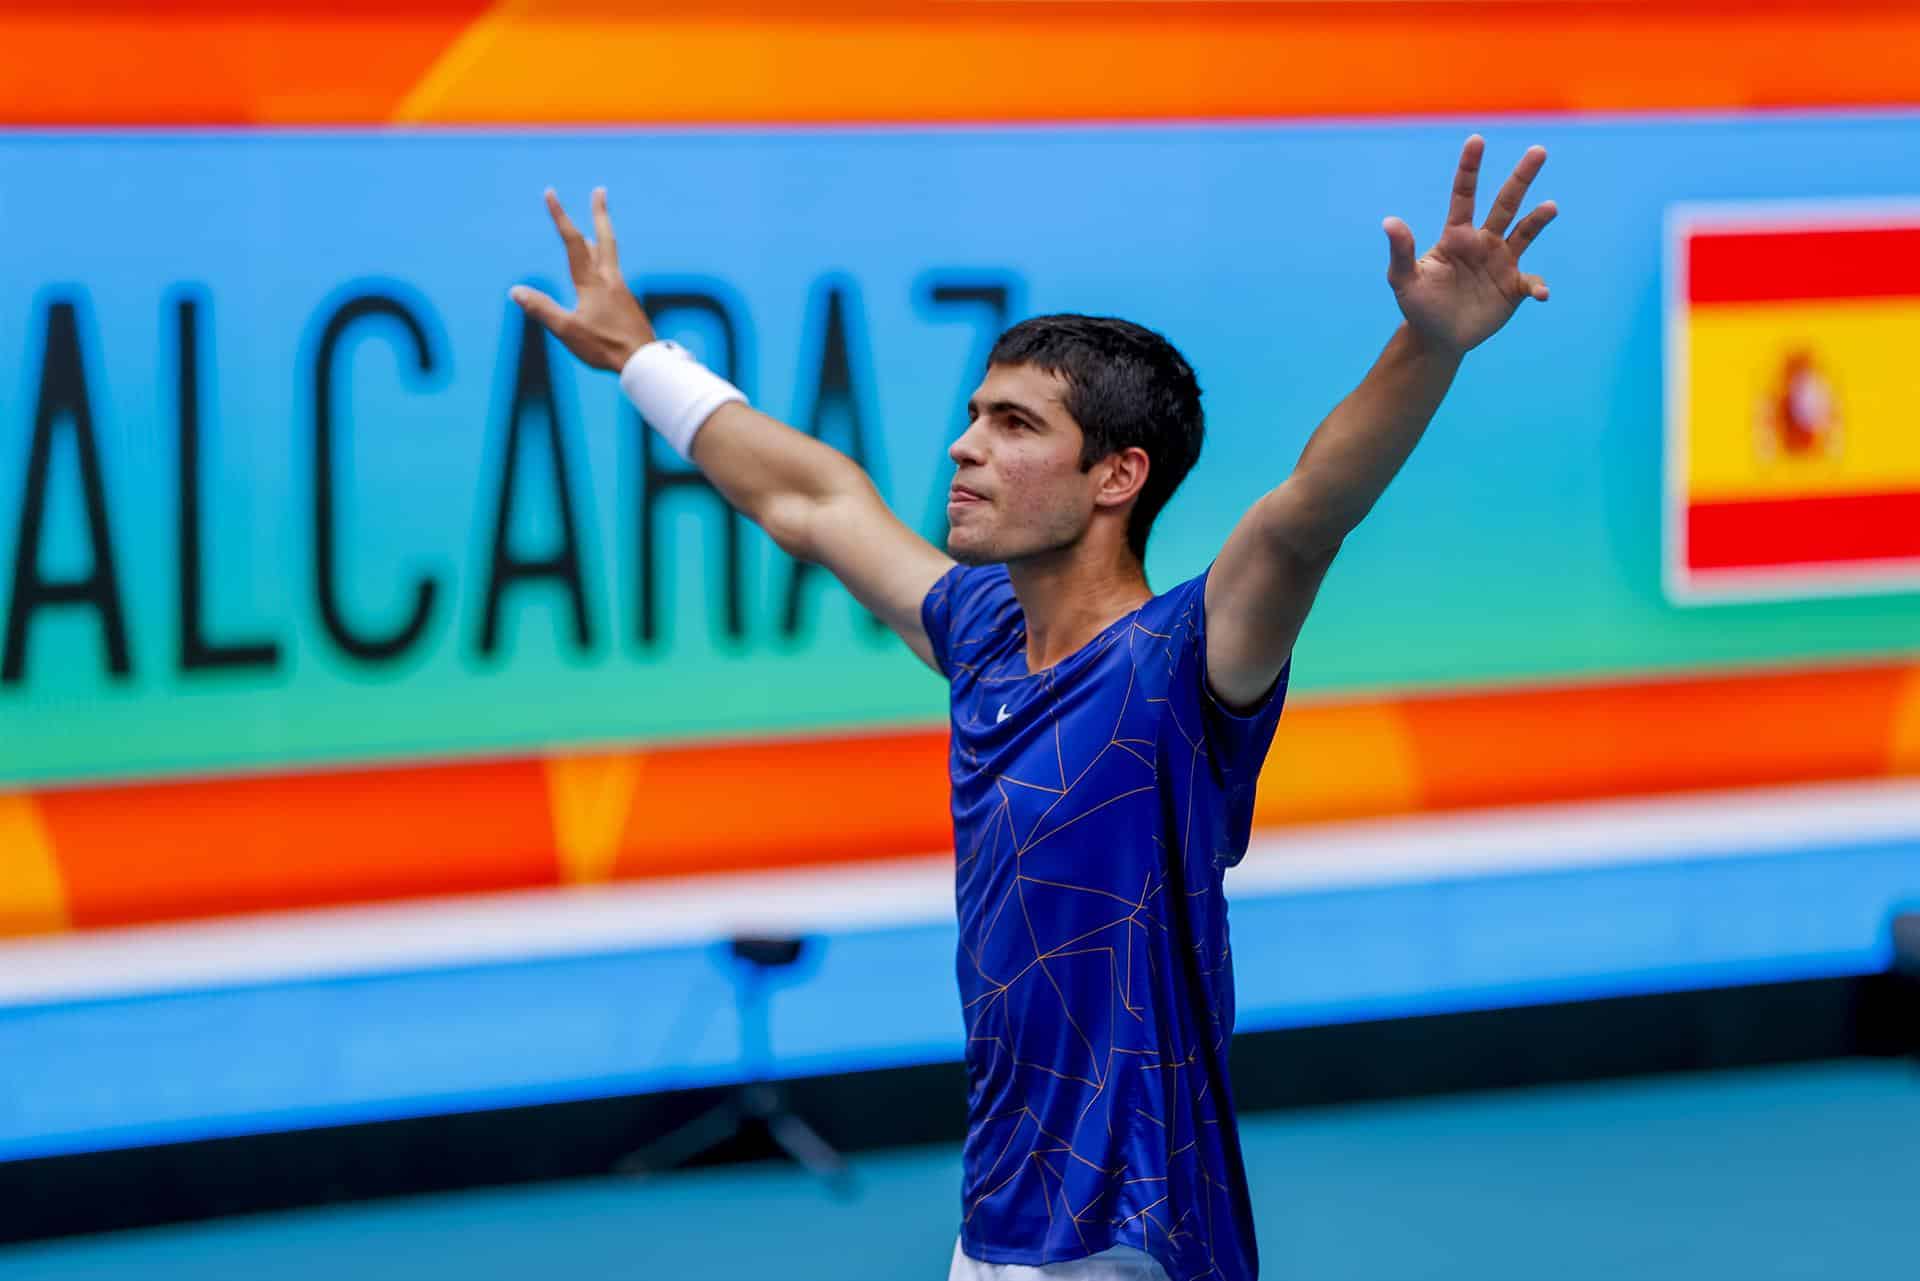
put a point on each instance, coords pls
(936, 617)
(970, 604)
(1237, 740)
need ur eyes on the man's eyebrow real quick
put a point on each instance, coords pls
(1006, 407)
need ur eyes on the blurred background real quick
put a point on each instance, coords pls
(418, 795)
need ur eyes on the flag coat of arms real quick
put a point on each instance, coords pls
(1793, 401)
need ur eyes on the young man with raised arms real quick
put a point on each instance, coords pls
(1105, 739)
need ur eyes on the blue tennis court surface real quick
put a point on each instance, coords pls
(1797, 1172)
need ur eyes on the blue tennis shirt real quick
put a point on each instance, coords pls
(1096, 807)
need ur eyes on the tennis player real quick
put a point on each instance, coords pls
(1105, 740)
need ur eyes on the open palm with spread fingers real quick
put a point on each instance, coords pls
(1463, 289)
(606, 324)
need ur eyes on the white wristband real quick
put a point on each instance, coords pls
(675, 393)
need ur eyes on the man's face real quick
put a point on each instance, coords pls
(1018, 490)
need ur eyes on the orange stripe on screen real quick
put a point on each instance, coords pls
(156, 851)
(1654, 736)
(219, 61)
(32, 895)
(647, 62)
(119, 854)
(879, 61)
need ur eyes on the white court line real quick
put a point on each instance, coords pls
(535, 924)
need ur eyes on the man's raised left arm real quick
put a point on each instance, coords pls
(1453, 298)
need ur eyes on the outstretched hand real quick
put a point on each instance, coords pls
(1463, 289)
(606, 324)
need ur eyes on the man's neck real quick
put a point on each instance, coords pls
(1071, 596)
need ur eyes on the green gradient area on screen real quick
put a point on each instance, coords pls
(851, 280)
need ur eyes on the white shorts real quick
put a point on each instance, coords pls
(1121, 1263)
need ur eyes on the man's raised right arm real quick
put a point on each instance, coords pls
(816, 503)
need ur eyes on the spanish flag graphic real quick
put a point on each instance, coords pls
(1793, 402)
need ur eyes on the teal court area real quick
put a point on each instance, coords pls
(1810, 1171)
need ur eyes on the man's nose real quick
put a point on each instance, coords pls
(967, 448)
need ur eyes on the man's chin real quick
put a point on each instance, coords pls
(968, 553)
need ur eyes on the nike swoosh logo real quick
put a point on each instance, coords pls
(1002, 716)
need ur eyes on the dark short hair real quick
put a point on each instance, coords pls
(1126, 386)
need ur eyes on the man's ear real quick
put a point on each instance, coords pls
(1125, 475)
